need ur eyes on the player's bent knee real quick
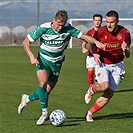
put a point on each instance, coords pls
(42, 84)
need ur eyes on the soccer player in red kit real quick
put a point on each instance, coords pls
(90, 62)
(110, 69)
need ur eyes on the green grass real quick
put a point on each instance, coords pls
(17, 76)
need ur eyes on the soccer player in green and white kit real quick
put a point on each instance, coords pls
(54, 37)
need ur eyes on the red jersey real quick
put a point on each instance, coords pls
(91, 32)
(113, 52)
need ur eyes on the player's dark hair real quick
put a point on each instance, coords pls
(98, 15)
(62, 15)
(113, 14)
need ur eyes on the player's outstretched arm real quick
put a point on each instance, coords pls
(92, 41)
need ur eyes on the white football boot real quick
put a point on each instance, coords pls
(43, 118)
(24, 102)
(89, 117)
(89, 94)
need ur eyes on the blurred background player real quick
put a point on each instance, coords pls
(111, 73)
(90, 62)
(54, 37)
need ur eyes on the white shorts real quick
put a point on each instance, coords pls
(114, 73)
(90, 62)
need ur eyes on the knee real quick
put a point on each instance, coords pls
(42, 83)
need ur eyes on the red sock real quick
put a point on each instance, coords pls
(95, 108)
(93, 89)
(90, 76)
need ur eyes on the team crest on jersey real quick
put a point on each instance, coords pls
(119, 37)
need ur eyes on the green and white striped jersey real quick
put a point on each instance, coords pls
(53, 43)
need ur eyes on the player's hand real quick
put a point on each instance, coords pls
(97, 59)
(124, 46)
(126, 49)
(34, 61)
(84, 50)
(100, 45)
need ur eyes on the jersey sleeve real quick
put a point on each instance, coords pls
(74, 32)
(36, 34)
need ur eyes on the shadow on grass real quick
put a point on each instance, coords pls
(75, 121)
(111, 116)
(124, 90)
(69, 125)
(115, 116)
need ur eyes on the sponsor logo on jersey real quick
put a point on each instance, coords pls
(108, 45)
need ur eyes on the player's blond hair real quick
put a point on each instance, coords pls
(62, 15)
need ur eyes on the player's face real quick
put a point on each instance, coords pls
(58, 25)
(111, 23)
(97, 22)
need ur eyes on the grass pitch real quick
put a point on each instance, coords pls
(17, 76)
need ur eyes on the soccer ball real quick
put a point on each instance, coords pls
(57, 117)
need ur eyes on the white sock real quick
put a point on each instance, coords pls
(27, 99)
(89, 112)
(44, 111)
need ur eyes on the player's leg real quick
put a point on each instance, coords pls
(91, 72)
(99, 104)
(43, 94)
(101, 85)
(115, 78)
(50, 84)
(90, 65)
(44, 115)
(109, 76)
(39, 93)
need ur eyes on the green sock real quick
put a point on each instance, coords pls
(34, 96)
(42, 94)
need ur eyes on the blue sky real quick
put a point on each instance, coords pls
(75, 8)
(25, 11)
(78, 7)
